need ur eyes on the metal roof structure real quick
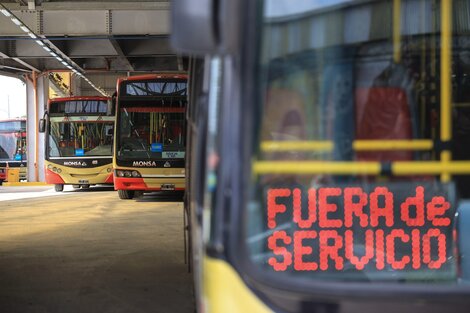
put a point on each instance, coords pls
(107, 37)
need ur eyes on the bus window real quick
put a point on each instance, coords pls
(355, 134)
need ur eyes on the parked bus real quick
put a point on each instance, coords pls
(79, 141)
(13, 147)
(150, 140)
(330, 160)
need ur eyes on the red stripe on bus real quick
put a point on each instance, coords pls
(53, 178)
(155, 110)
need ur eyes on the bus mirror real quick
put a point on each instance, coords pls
(200, 27)
(42, 125)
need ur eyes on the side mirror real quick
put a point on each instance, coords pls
(200, 27)
(42, 125)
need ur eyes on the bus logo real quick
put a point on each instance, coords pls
(167, 164)
(144, 163)
(74, 163)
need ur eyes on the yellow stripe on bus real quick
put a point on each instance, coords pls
(358, 145)
(316, 167)
(400, 168)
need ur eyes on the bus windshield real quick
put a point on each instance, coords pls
(80, 127)
(357, 119)
(81, 136)
(158, 135)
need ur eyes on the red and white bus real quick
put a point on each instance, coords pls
(150, 138)
(79, 141)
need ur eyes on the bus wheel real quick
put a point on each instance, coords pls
(59, 187)
(85, 186)
(126, 194)
(76, 186)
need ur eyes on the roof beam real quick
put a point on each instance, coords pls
(18, 60)
(122, 57)
(90, 22)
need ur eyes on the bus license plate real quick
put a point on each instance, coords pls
(83, 181)
(168, 187)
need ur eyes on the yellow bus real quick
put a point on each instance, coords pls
(79, 138)
(150, 139)
(330, 159)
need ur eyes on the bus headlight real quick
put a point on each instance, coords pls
(49, 167)
(133, 174)
(119, 173)
(54, 169)
(59, 170)
(109, 170)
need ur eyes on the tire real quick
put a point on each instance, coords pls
(126, 194)
(59, 187)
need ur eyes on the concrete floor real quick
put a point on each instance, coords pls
(91, 252)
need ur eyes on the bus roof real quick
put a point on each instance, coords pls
(16, 119)
(78, 98)
(152, 76)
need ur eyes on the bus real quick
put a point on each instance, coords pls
(13, 147)
(150, 139)
(330, 161)
(79, 139)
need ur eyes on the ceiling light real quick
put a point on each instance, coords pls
(45, 46)
(16, 21)
(5, 12)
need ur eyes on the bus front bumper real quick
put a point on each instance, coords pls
(149, 184)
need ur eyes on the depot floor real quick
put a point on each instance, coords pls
(91, 252)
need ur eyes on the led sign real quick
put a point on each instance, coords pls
(380, 229)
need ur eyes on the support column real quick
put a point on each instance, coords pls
(37, 92)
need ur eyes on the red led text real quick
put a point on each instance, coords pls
(335, 226)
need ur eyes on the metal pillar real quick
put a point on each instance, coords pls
(37, 90)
